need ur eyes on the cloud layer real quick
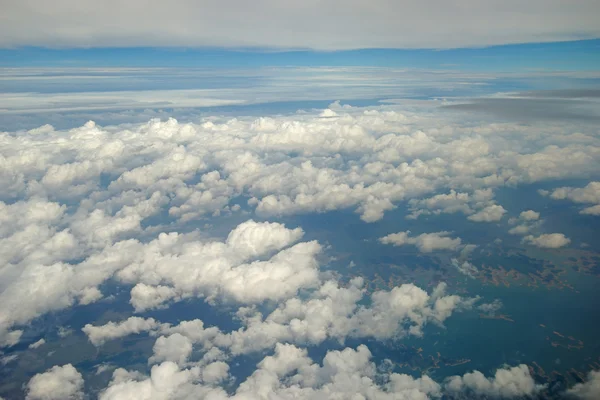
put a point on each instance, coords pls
(267, 23)
(133, 206)
(82, 206)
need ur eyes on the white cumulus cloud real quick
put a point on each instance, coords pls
(548, 241)
(588, 390)
(511, 382)
(425, 242)
(58, 383)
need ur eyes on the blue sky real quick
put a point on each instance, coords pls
(573, 55)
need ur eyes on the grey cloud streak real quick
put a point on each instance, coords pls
(533, 109)
(327, 25)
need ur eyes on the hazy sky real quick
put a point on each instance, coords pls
(323, 25)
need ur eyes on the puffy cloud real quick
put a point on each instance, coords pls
(479, 202)
(520, 229)
(224, 270)
(589, 194)
(527, 221)
(144, 297)
(100, 334)
(441, 203)
(59, 382)
(228, 271)
(529, 215)
(548, 241)
(425, 242)
(593, 210)
(334, 312)
(193, 330)
(288, 373)
(588, 390)
(195, 170)
(50, 284)
(215, 372)
(92, 204)
(253, 239)
(511, 382)
(166, 381)
(491, 213)
(330, 312)
(176, 348)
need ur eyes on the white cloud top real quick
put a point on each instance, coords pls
(132, 206)
(92, 204)
(58, 383)
(99, 334)
(512, 382)
(589, 194)
(529, 215)
(588, 390)
(331, 312)
(425, 242)
(548, 241)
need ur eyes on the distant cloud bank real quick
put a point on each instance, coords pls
(330, 25)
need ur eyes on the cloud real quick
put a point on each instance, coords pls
(287, 373)
(491, 213)
(425, 242)
(230, 271)
(171, 211)
(479, 205)
(297, 25)
(520, 229)
(532, 109)
(59, 382)
(491, 308)
(588, 390)
(234, 274)
(37, 344)
(593, 210)
(176, 348)
(529, 215)
(563, 93)
(511, 382)
(144, 297)
(465, 268)
(330, 312)
(527, 221)
(548, 241)
(100, 334)
(8, 359)
(589, 194)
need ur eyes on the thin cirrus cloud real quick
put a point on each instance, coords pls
(327, 25)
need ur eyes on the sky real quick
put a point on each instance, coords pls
(577, 55)
(282, 199)
(317, 25)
